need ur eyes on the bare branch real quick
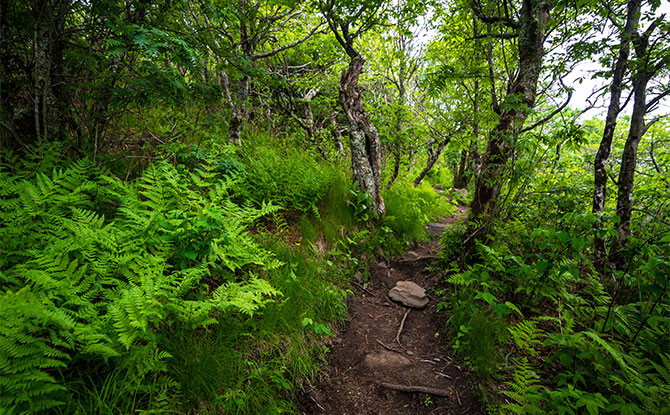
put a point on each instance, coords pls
(495, 36)
(656, 99)
(652, 122)
(507, 21)
(551, 114)
(288, 46)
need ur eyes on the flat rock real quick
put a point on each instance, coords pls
(436, 228)
(385, 359)
(409, 293)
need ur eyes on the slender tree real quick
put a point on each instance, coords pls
(613, 110)
(652, 57)
(520, 99)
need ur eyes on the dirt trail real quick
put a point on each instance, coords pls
(420, 359)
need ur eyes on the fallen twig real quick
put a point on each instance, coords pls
(419, 258)
(363, 288)
(387, 347)
(458, 398)
(402, 325)
(415, 389)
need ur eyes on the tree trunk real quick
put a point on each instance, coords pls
(600, 172)
(624, 205)
(48, 22)
(363, 135)
(337, 134)
(534, 16)
(433, 156)
(460, 178)
(396, 167)
(399, 121)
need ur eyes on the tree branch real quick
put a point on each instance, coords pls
(507, 21)
(551, 114)
(495, 36)
(289, 46)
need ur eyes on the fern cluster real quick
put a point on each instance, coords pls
(92, 270)
(534, 307)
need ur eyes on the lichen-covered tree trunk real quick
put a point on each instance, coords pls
(600, 172)
(363, 135)
(624, 206)
(533, 20)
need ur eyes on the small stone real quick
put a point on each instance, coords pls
(381, 273)
(409, 293)
(385, 359)
(411, 353)
(436, 228)
(317, 396)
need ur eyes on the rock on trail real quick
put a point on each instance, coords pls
(409, 293)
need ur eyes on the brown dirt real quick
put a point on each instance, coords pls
(349, 387)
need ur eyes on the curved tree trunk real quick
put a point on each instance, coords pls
(363, 135)
(433, 156)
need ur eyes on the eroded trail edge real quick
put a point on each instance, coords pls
(391, 359)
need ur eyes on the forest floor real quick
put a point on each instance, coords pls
(408, 348)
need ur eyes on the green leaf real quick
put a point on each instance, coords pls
(488, 297)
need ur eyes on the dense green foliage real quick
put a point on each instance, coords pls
(534, 312)
(97, 273)
(186, 188)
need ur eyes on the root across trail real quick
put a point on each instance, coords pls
(390, 359)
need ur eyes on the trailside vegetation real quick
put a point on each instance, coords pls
(188, 187)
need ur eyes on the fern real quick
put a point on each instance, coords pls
(93, 270)
(33, 342)
(526, 335)
(525, 390)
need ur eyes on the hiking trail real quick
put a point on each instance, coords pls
(390, 359)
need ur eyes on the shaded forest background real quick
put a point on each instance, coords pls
(187, 188)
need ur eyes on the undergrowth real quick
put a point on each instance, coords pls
(532, 314)
(151, 296)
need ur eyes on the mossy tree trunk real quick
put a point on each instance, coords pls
(600, 171)
(520, 99)
(363, 135)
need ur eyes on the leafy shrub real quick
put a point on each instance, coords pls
(600, 353)
(410, 208)
(292, 179)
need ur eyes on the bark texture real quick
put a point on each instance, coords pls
(363, 135)
(641, 78)
(533, 20)
(600, 171)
